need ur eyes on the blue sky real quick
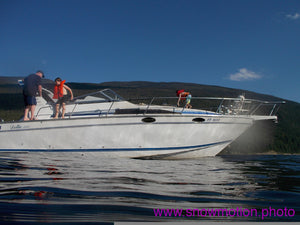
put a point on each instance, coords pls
(246, 44)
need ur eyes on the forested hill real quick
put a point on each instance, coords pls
(282, 137)
(141, 88)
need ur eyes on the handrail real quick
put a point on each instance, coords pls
(274, 106)
(149, 105)
(225, 105)
(109, 108)
(75, 105)
(240, 104)
(211, 98)
(44, 107)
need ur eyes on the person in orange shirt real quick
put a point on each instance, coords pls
(184, 95)
(61, 94)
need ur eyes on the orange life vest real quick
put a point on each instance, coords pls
(59, 90)
(184, 94)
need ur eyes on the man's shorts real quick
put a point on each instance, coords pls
(188, 99)
(29, 100)
(62, 100)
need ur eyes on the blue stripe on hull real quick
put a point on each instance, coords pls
(116, 149)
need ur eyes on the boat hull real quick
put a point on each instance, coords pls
(161, 136)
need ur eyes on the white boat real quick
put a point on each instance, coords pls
(105, 123)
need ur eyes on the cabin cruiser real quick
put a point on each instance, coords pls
(103, 122)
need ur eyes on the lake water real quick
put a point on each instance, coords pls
(86, 188)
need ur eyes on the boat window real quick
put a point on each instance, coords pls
(89, 99)
(198, 120)
(48, 96)
(105, 95)
(148, 120)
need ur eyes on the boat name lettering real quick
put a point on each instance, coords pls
(13, 127)
(213, 119)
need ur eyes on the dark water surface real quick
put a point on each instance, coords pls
(83, 188)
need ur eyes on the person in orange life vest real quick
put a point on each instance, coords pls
(184, 95)
(61, 94)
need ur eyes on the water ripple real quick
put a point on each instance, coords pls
(86, 189)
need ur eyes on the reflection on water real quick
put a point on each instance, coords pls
(64, 187)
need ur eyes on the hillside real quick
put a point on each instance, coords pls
(283, 137)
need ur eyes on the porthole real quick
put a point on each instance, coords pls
(148, 120)
(198, 120)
